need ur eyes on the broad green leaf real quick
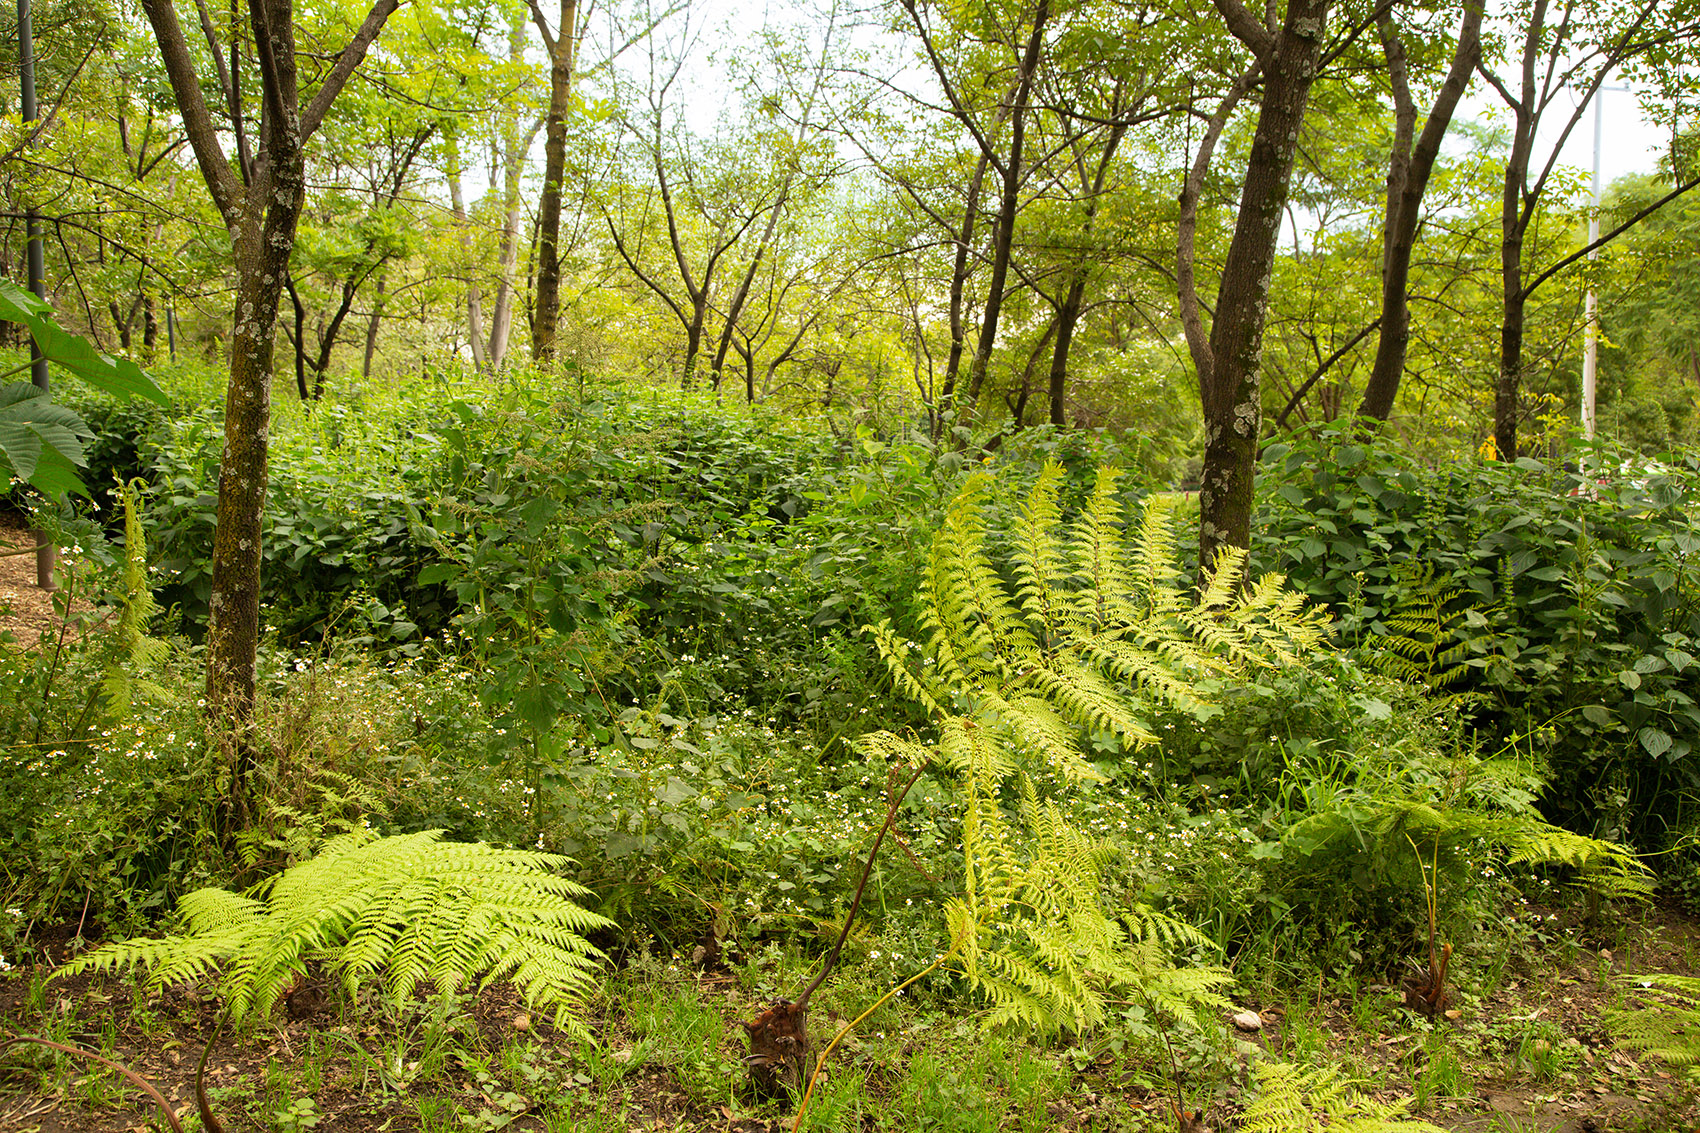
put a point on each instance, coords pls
(1655, 741)
(40, 442)
(73, 353)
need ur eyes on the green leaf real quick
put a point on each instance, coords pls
(40, 442)
(1597, 714)
(72, 352)
(1629, 678)
(1655, 741)
(437, 572)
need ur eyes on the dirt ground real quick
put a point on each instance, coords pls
(26, 610)
(1569, 983)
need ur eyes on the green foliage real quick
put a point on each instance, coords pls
(1294, 1099)
(1094, 632)
(132, 652)
(1422, 640)
(408, 906)
(1579, 601)
(40, 442)
(1661, 1017)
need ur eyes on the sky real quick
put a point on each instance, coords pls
(1628, 142)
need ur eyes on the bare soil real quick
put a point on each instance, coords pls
(26, 610)
(1569, 983)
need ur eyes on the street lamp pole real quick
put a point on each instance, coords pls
(45, 552)
(1591, 303)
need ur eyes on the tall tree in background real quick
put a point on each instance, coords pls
(1006, 163)
(1228, 361)
(560, 43)
(1408, 171)
(259, 198)
(1563, 60)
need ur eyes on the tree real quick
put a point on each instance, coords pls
(1572, 57)
(547, 296)
(1408, 171)
(259, 198)
(1228, 361)
(1006, 163)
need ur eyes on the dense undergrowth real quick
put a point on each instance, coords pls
(627, 626)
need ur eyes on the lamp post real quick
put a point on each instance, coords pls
(1591, 303)
(45, 552)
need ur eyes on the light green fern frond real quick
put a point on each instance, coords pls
(133, 654)
(1095, 632)
(1662, 1019)
(409, 908)
(1295, 1099)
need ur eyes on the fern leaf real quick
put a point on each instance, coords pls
(1292, 1099)
(409, 907)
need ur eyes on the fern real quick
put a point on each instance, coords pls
(1664, 1019)
(1094, 633)
(1294, 1099)
(132, 652)
(1422, 641)
(409, 907)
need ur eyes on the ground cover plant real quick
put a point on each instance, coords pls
(1136, 813)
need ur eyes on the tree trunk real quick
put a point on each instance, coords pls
(150, 326)
(372, 328)
(474, 294)
(1407, 182)
(1005, 232)
(958, 284)
(1513, 223)
(263, 246)
(1067, 317)
(261, 216)
(1230, 392)
(516, 146)
(548, 290)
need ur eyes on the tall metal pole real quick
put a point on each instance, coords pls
(1590, 313)
(1591, 303)
(45, 552)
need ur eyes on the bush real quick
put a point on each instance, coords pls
(1572, 607)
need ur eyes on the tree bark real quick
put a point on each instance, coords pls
(958, 285)
(372, 324)
(261, 218)
(1004, 238)
(1230, 390)
(1407, 182)
(547, 299)
(474, 294)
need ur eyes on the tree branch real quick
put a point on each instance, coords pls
(197, 119)
(345, 64)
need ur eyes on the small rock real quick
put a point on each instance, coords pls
(1248, 1021)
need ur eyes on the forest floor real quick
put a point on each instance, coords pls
(1531, 1056)
(26, 610)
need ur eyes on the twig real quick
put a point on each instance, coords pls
(141, 1083)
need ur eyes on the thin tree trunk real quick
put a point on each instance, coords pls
(514, 150)
(1232, 397)
(372, 328)
(1513, 222)
(958, 284)
(1407, 181)
(1005, 232)
(548, 290)
(474, 294)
